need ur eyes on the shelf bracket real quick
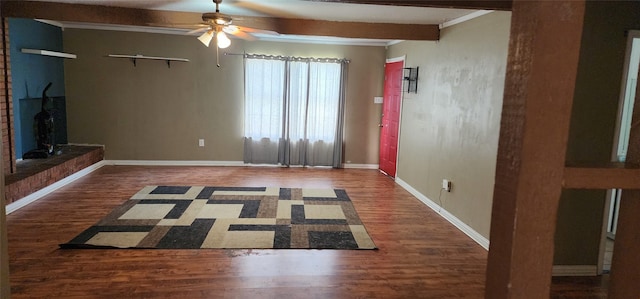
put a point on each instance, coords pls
(134, 58)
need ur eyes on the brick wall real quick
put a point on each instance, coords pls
(56, 168)
(6, 104)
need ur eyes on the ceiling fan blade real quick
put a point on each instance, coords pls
(239, 33)
(254, 30)
(194, 31)
(179, 25)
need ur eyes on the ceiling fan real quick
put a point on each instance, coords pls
(216, 24)
(215, 27)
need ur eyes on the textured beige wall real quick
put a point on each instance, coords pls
(151, 112)
(450, 128)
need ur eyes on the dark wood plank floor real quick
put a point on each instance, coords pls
(420, 254)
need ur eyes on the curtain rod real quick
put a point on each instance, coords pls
(294, 58)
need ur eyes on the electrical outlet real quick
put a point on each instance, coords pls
(446, 185)
(200, 142)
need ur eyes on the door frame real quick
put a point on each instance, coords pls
(607, 212)
(392, 60)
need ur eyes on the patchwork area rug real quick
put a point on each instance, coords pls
(180, 217)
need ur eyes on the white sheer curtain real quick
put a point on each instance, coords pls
(294, 117)
(264, 102)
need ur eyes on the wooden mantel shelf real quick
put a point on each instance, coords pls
(612, 175)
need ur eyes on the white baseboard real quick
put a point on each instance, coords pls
(173, 163)
(474, 235)
(12, 207)
(86, 144)
(558, 270)
(575, 270)
(213, 163)
(360, 166)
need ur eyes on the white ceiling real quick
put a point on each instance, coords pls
(296, 9)
(302, 9)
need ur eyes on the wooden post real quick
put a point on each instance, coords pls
(625, 273)
(4, 251)
(541, 72)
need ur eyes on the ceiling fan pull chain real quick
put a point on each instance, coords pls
(217, 55)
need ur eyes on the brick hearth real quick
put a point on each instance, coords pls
(35, 174)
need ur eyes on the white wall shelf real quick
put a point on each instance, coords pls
(48, 53)
(139, 56)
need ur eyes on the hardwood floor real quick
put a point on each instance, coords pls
(420, 254)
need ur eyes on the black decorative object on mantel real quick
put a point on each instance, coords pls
(411, 76)
(43, 130)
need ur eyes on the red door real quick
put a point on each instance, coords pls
(390, 117)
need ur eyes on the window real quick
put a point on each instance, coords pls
(293, 111)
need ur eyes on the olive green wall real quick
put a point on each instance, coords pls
(450, 128)
(593, 124)
(152, 112)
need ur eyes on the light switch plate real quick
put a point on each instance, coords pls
(377, 100)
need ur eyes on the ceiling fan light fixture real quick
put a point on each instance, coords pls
(206, 38)
(222, 40)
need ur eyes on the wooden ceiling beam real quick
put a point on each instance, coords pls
(462, 4)
(66, 12)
